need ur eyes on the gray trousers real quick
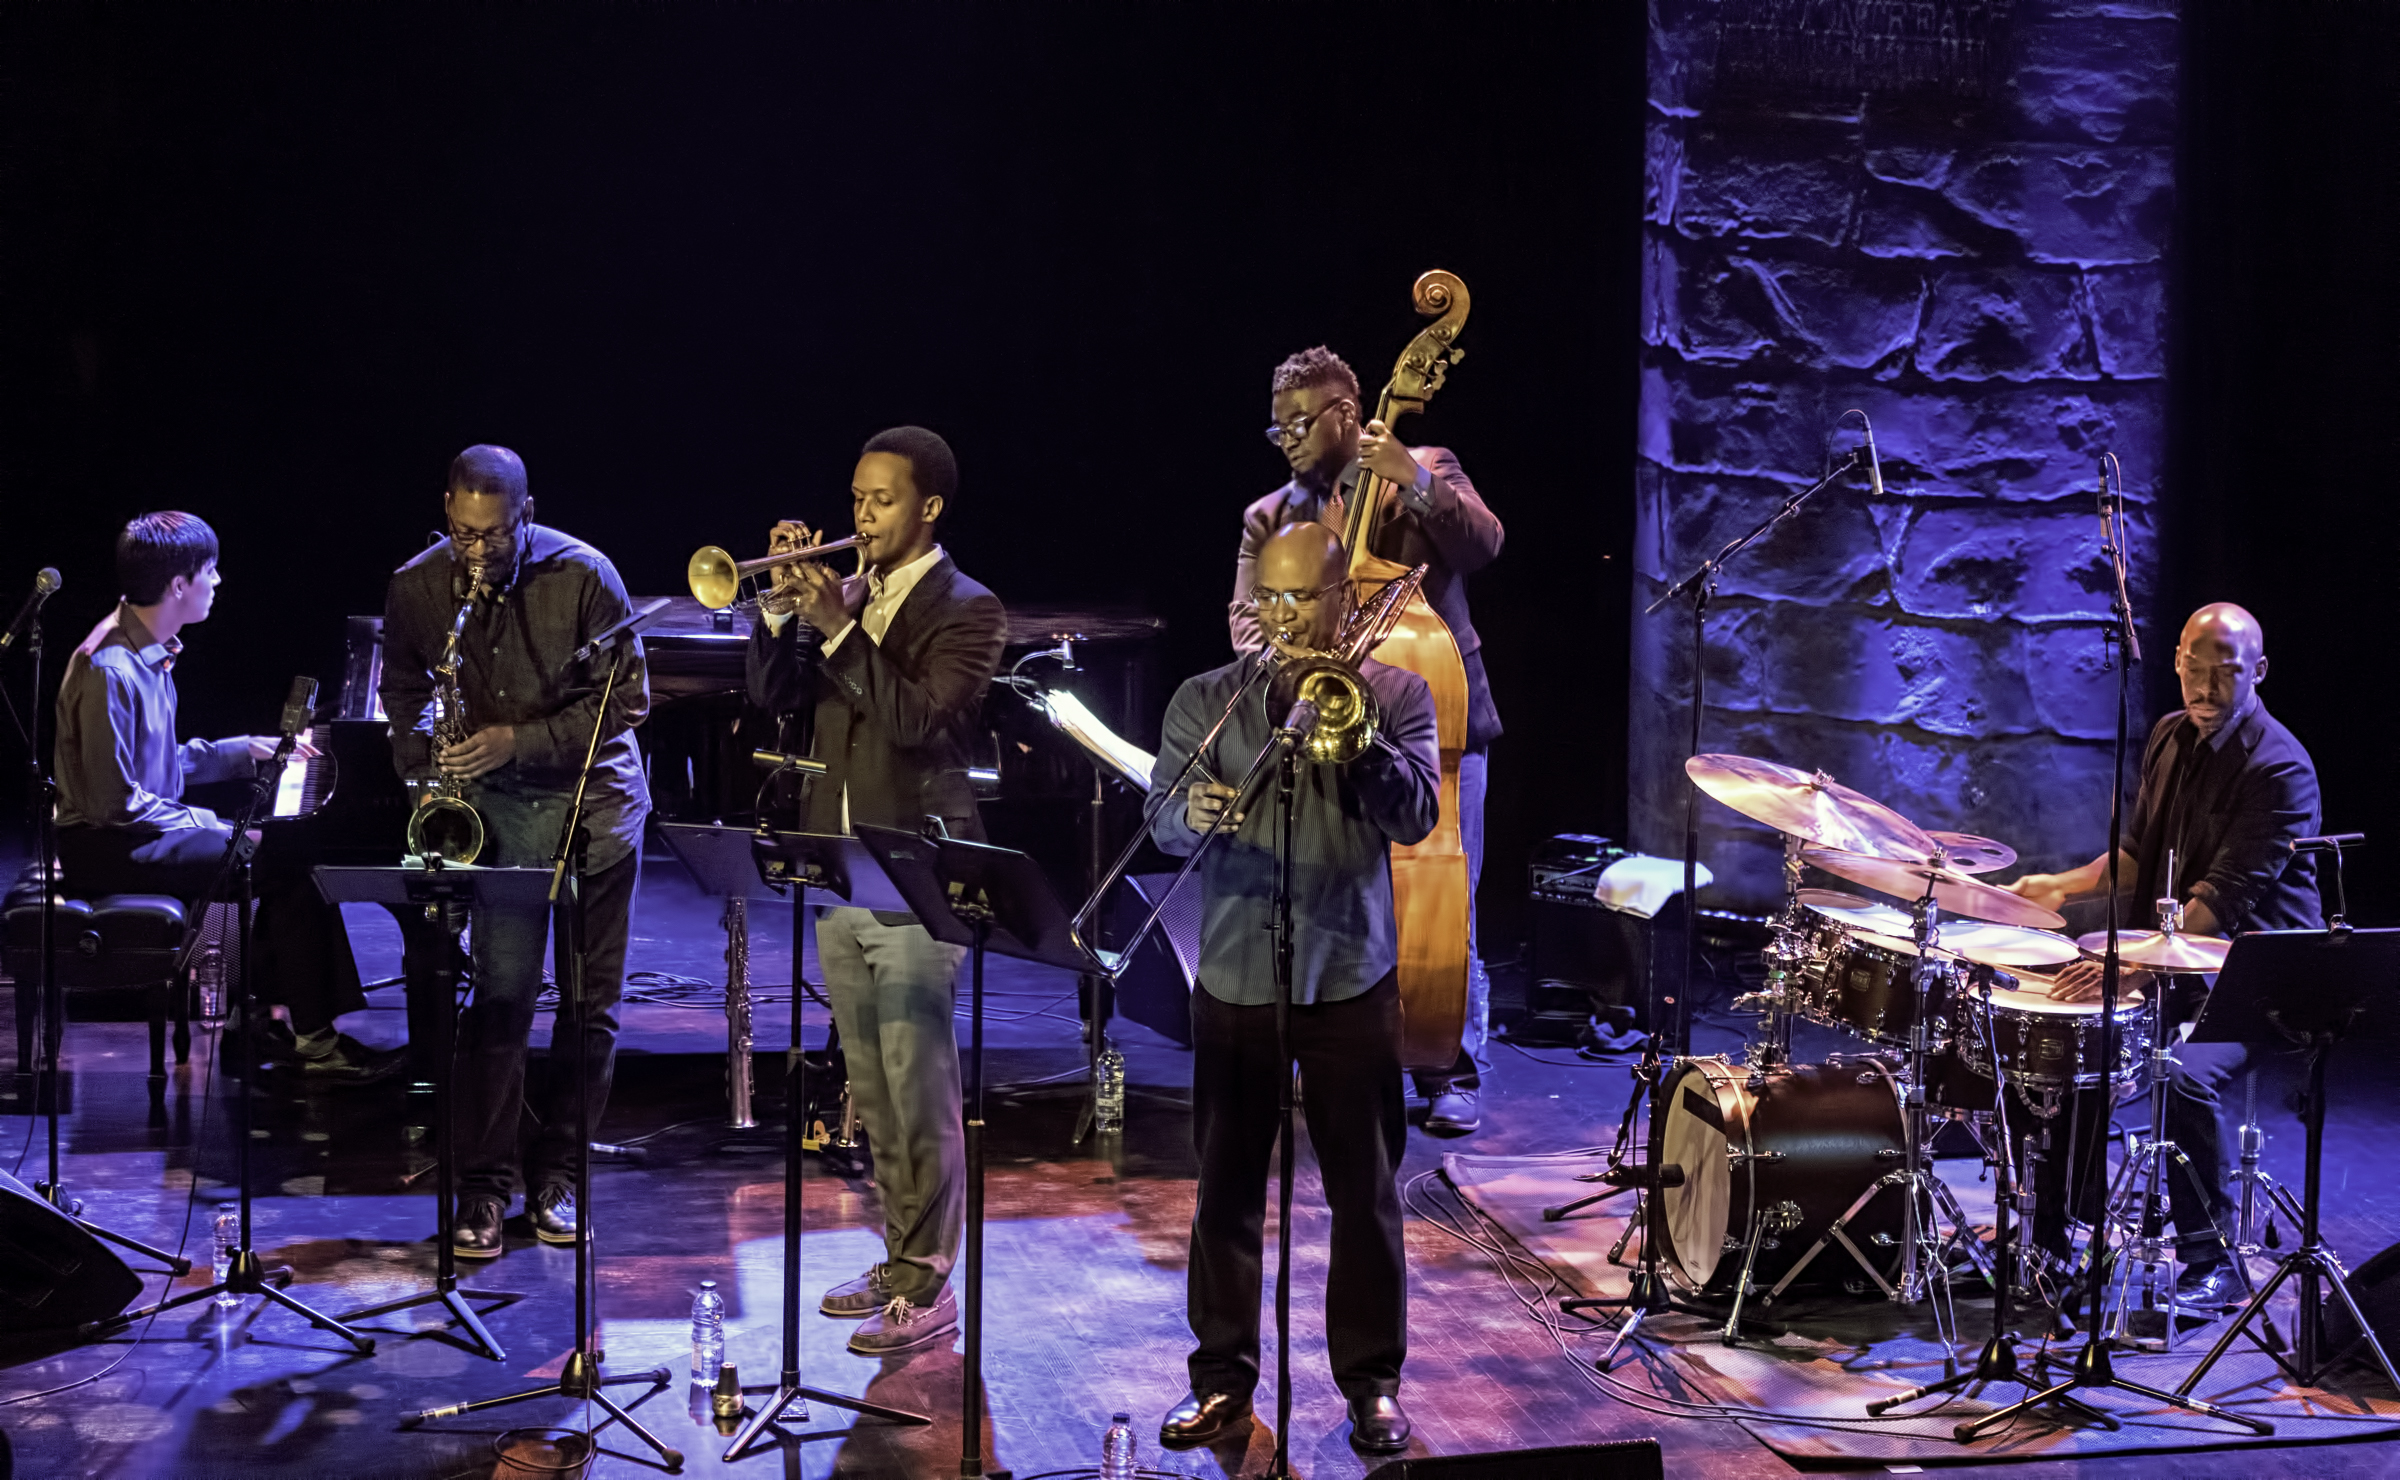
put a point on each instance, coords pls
(893, 989)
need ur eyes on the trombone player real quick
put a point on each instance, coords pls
(1345, 1015)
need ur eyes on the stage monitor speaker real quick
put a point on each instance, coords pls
(2375, 1285)
(1621, 1459)
(1156, 990)
(53, 1272)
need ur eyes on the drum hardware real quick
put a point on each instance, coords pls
(2137, 1201)
(2260, 1195)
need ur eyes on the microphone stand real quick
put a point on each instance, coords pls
(1280, 921)
(2093, 1368)
(50, 994)
(581, 1378)
(1647, 1294)
(244, 1275)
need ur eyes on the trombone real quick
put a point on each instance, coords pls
(1331, 716)
(716, 578)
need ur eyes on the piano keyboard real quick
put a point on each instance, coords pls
(306, 783)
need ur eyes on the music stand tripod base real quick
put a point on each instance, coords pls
(437, 889)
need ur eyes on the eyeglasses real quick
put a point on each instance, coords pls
(1291, 433)
(488, 539)
(1263, 601)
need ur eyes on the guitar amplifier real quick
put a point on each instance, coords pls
(1583, 951)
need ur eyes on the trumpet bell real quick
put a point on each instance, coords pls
(1347, 711)
(715, 579)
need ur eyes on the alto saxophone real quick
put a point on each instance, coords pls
(442, 821)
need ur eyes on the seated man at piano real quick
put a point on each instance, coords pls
(2225, 789)
(522, 598)
(124, 828)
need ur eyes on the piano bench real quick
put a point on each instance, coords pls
(109, 947)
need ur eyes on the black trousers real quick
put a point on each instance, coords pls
(2197, 1121)
(489, 1085)
(1349, 1057)
(304, 959)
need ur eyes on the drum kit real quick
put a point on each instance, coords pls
(1815, 1176)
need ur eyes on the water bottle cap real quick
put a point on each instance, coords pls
(708, 1284)
(1120, 1418)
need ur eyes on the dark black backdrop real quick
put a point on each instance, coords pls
(275, 266)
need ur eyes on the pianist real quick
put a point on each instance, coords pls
(123, 827)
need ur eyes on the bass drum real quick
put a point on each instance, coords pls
(1795, 1146)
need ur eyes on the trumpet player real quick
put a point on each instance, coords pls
(1345, 1018)
(893, 664)
(533, 596)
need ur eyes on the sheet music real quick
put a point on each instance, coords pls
(1119, 754)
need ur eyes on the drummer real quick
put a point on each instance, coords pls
(2225, 788)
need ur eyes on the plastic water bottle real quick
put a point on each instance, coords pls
(708, 1333)
(1108, 1089)
(228, 1232)
(1116, 1448)
(208, 975)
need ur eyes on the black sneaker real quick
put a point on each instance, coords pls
(552, 1209)
(350, 1065)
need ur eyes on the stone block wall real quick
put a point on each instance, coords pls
(1977, 261)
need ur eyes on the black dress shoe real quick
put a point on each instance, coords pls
(552, 1209)
(1199, 1420)
(475, 1233)
(2213, 1286)
(1377, 1426)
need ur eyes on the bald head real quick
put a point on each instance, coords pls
(491, 470)
(1296, 566)
(2220, 661)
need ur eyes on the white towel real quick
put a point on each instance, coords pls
(1642, 885)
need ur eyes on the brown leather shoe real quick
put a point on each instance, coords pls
(1199, 1420)
(1377, 1426)
(475, 1233)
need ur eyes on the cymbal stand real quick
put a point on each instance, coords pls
(2093, 1367)
(1997, 1362)
(2261, 1196)
(1786, 956)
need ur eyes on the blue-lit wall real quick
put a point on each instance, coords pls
(1982, 270)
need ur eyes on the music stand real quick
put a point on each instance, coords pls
(2311, 989)
(802, 861)
(986, 899)
(445, 893)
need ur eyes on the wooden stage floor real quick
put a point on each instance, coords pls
(1084, 1301)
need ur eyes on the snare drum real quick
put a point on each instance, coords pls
(1866, 984)
(2045, 1044)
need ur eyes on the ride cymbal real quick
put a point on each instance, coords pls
(1815, 808)
(2155, 950)
(1954, 892)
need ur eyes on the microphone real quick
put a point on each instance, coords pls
(298, 705)
(1874, 463)
(1301, 720)
(631, 626)
(781, 760)
(2330, 843)
(45, 581)
(1669, 1174)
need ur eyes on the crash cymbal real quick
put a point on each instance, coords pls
(2012, 947)
(2155, 950)
(1857, 912)
(1970, 854)
(1813, 807)
(1954, 892)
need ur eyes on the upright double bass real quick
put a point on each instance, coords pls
(1430, 893)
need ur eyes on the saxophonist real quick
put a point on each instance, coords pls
(528, 714)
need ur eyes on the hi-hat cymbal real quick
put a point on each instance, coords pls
(1813, 807)
(1970, 854)
(2155, 950)
(1857, 912)
(2013, 947)
(1954, 892)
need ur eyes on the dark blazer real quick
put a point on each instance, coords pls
(895, 721)
(2229, 807)
(1458, 535)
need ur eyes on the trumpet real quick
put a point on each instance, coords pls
(716, 578)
